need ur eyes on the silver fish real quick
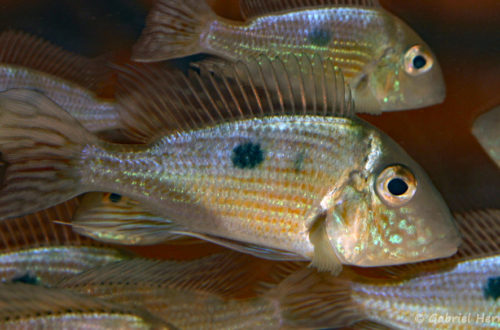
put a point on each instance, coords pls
(35, 250)
(486, 129)
(388, 65)
(66, 78)
(24, 306)
(327, 188)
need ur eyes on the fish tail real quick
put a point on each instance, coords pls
(311, 299)
(173, 29)
(40, 150)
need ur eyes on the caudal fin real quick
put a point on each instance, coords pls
(40, 146)
(173, 29)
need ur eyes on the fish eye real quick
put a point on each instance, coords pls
(396, 185)
(417, 61)
(114, 198)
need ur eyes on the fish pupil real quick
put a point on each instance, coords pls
(419, 62)
(492, 288)
(115, 198)
(397, 187)
(247, 155)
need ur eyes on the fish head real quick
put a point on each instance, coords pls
(405, 75)
(390, 212)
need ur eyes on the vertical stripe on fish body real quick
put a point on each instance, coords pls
(388, 65)
(66, 78)
(329, 188)
(35, 250)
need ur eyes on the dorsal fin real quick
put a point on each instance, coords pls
(221, 274)
(38, 229)
(19, 48)
(254, 8)
(27, 302)
(154, 99)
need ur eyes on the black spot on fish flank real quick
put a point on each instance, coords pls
(247, 155)
(492, 288)
(27, 278)
(115, 198)
(319, 36)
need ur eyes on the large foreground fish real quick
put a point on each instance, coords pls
(25, 306)
(35, 250)
(461, 291)
(283, 172)
(387, 64)
(66, 78)
(486, 129)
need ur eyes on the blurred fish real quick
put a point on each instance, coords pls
(24, 306)
(486, 129)
(388, 65)
(461, 292)
(34, 250)
(113, 218)
(197, 294)
(66, 78)
(285, 172)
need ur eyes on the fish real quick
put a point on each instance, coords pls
(387, 64)
(68, 79)
(25, 306)
(458, 292)
(325, 187)
(34, 250)
(486, 129)
(403, 297)
(196, 294)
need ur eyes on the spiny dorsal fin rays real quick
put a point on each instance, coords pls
(38, 229)
(23, 49)
(222, 274)
(253, 8)
(155, 99)
(480, 232)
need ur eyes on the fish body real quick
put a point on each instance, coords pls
(334, 190)
(486, 129)
(386, 63)
(66, 78)
(24, 306)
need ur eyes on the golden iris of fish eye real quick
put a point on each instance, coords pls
(395, 172)
(409, 57)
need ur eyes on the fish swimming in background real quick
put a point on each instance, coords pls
(66, 78)
(195, 294)
(388, 66)
(486, 129)
(285, 172)
(24, 306)
(34, 250)
(461, 292)
(404, 297)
